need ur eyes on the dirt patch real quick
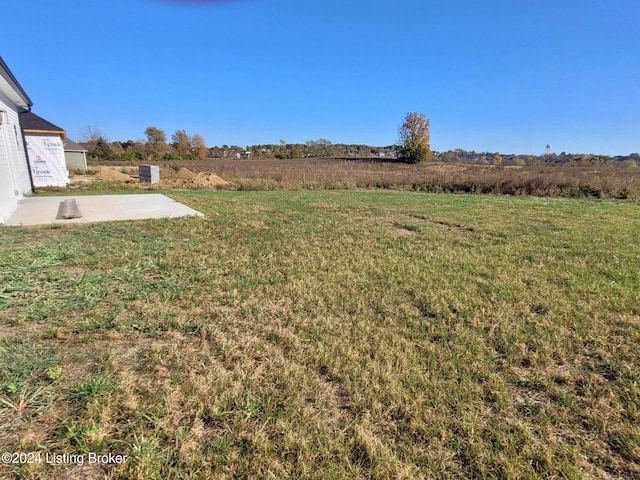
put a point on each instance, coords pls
(81, 178)
(185, 174)
(112, 175)
(443, 223)
(206, 180)
(170, 177)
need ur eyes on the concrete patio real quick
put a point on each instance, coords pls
(98, 208)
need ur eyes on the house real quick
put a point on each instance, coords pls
(15, 178)
(45, 151)
(75, 155)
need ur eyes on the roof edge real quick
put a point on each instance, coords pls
(36, 125)
(44, 132)
(11, 79)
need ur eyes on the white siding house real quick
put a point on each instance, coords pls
(15, 180)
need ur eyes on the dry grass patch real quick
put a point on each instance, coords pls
(266, 174)
(297, 335)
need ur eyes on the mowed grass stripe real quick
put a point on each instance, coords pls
(330, 335)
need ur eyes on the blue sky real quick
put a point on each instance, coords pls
(495, 75)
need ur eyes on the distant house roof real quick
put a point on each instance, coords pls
(71, 146)
(32, 123)
(12, 88)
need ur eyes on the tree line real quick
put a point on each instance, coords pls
(155, 147)
(183, 146)
(413, 146)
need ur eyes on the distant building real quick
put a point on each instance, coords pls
(15, 179)
(75, 155)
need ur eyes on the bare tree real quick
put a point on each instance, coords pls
(91, 133)
(96, 142)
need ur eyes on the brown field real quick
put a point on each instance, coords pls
(597, 181)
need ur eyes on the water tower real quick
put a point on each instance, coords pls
(547, 149)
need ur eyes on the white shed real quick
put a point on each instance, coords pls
(15, 178)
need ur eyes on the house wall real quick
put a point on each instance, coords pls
(76, 160)
(14, 175)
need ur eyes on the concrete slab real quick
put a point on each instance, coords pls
(98, 208)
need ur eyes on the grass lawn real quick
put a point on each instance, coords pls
(343, 334)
